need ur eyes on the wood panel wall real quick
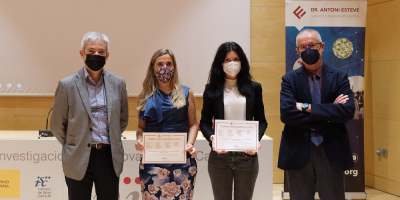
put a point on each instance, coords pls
(382, 92)
(267, 43)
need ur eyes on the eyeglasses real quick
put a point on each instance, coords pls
(311, 46)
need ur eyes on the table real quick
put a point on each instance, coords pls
(30, 168)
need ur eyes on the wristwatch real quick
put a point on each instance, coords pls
(304, 107)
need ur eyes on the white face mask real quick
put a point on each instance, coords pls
(231, 68)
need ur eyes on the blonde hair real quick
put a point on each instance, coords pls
(150, 83)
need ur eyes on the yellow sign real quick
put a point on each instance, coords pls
(9, 183)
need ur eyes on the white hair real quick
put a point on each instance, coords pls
(309, 31)
(94, 36)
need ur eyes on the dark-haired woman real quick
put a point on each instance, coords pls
(231, 94)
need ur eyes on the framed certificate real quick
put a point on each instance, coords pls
(236, 135)
(162, 148)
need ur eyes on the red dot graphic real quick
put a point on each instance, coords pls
(127, 180)
(137, 180)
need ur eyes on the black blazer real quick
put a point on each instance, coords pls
(326, 118)
(214, 109)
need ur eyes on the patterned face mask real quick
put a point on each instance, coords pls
(164, 74)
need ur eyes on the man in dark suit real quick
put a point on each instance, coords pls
(90, 112)
(315, 105)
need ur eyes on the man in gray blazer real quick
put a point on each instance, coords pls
(90, 112)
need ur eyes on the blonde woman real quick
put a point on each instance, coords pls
(166, 106)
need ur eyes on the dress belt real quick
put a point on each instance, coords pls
(100, 145)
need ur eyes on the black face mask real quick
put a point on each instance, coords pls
(310, 56)
(95, 62)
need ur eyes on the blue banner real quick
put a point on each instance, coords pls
(341, 25)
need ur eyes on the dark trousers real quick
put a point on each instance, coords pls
(235, 168)
(101, 172)
(318, 173)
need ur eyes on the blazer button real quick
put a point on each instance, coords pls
(312, 129)
(90, 129)
(88, 145)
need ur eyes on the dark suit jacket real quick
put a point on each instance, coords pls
(214, 109)
(326, 118)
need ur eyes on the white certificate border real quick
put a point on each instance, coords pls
(253, 123)
(153, 134)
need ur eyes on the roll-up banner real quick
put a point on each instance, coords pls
(342, 28)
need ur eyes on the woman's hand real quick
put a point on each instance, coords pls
(190, 148)
(139, 145)
(213, 146)
(250, 152)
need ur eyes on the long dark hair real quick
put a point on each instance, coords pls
(216, 78)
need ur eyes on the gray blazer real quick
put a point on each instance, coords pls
(71, 121)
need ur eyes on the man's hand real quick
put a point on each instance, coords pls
(299, 106)
(341, 99)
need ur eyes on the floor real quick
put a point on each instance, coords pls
(372, 194)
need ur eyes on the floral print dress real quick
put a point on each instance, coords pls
(167, 181)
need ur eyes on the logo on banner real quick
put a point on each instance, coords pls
(9, 183)
(355, 157)
(41, 183)
(299, 12)
(352, 172)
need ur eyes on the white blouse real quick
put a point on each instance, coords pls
(234, 103)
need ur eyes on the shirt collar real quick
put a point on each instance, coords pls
(87, 73)
(319, 72)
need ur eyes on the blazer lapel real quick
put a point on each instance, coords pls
(83, 91)
(327, 80)
(302, 81)
(109, 93)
